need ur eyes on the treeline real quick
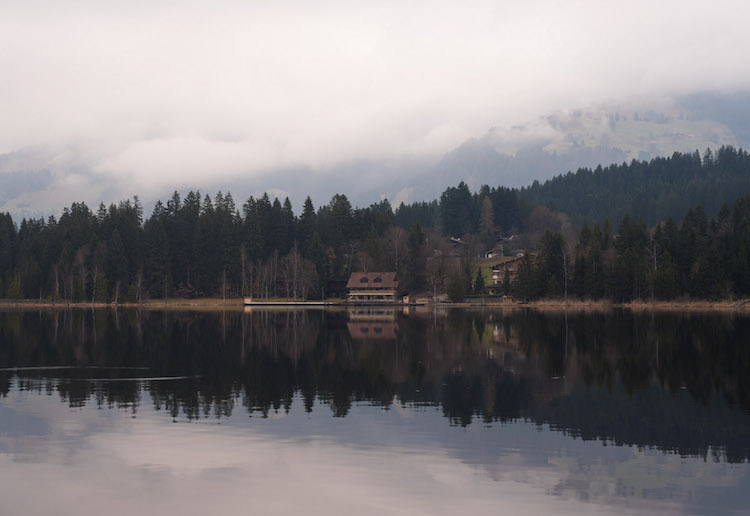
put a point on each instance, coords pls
(199, 246)
(458, 212)
(192, 247)
(700, 258)
(202, 246)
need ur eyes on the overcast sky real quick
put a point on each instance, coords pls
(156, 94)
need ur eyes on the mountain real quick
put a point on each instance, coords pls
(585, 138)
(33, 183)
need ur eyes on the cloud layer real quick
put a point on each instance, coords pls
(154, 95)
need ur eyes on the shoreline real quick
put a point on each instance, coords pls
(741, 305)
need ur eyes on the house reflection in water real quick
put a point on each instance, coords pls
(372, 323)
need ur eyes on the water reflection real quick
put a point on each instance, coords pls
(622, 377)
(526, 396)
(372, 323)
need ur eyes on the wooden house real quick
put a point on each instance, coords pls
(509, 264)
(372, 287)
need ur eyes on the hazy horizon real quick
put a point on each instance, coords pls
(141, 98)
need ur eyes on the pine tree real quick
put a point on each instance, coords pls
(456, 292)
(415, 262)
(479, 282)
(308, 224)
(487, 223)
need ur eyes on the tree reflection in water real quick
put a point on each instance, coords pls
(671, 381)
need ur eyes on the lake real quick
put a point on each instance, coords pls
(373, 411)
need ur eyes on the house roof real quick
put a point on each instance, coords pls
(372, 280)
(508, 260)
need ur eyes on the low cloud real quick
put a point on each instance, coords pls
(151, 95)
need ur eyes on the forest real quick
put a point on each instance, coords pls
(677, 235)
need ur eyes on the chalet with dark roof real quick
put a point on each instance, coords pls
(510, 266)
(372, 287)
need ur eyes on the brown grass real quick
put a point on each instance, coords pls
(698, 306)
(644, 305)
(596, 305)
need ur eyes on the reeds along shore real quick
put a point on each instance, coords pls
(642, 305)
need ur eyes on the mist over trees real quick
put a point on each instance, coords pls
(663, 241)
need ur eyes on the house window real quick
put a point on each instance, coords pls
(364, 280)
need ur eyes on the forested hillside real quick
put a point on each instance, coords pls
(652, 191)
(648, 190)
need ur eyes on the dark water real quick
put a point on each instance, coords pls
(373, 412)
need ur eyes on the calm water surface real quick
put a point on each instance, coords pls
(373, 412)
